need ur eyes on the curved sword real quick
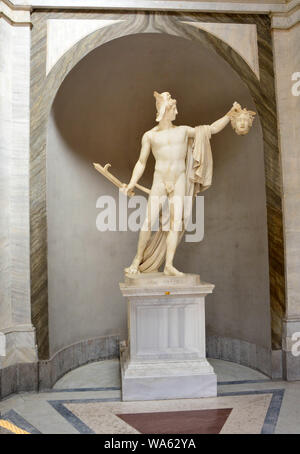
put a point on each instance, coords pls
(104, 171)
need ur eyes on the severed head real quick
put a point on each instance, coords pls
(241, 119)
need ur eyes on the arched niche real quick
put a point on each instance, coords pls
(44, 93)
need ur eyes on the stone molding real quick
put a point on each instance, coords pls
(15, 14)
(284, 16)
(287, 20)
(18, 345)
(258, 7)
(18, 328)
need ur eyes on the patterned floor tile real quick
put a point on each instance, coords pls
(251, 412)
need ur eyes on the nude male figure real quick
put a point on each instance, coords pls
(169, 145)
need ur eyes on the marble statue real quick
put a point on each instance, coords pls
(184, 167)
(175, 176)
(151, 368)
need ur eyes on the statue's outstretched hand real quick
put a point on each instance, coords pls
(236, 108)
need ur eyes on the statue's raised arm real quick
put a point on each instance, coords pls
(241, 121)
(219, 125)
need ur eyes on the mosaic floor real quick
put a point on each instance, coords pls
(88, 400)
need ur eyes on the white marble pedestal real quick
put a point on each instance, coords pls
(165, 354)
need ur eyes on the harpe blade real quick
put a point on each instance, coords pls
(104, 171)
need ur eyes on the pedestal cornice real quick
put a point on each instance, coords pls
(158, 285)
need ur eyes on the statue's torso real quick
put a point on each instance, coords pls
(169, 148)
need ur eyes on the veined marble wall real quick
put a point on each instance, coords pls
(5, 134)
(43, 90)
(15, 308)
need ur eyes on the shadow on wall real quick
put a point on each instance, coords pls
(100, 113)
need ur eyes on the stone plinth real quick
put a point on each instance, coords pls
(165, 354)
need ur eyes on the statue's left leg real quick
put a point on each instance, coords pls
(176, 201)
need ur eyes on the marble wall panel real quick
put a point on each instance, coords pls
(19, 177)
(15, 302)
(63, 34)
(5, 134)
(241, 37)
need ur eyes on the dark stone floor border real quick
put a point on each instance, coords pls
(272, 415)
(42, 375)
(19, 421)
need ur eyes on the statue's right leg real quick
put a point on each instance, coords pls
(143, 240)
(152, 214)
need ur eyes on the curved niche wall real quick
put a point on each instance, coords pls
(100, 112)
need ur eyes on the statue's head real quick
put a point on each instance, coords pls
(242, 121)
(165, 106)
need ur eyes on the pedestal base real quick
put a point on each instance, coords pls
(165, 354)
(172, 380)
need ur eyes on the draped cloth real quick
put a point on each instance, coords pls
(199, 171)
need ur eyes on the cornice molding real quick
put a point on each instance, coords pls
(284, 15)
(258, 7)
(287, 20)
(15, 14)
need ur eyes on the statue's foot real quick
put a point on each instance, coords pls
(133, 268)
(171, 271)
